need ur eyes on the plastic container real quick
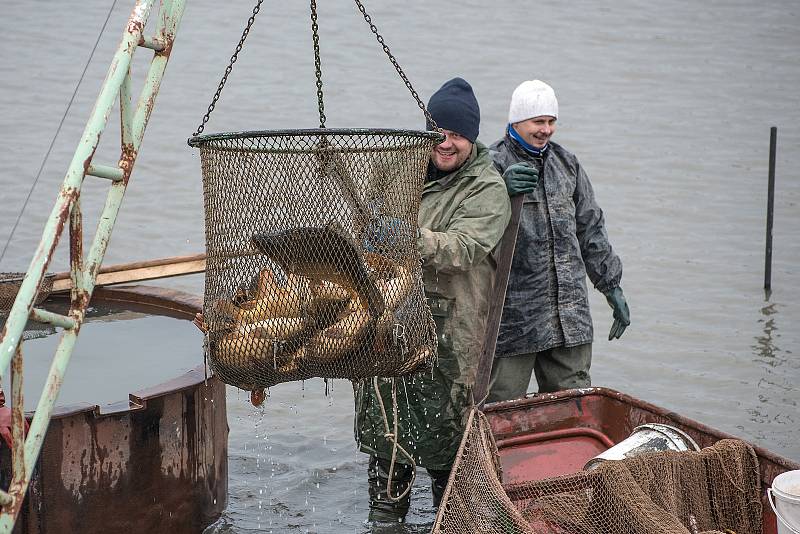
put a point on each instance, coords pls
(784, 497)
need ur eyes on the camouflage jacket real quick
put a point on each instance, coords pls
(462, 217)
(561, 239)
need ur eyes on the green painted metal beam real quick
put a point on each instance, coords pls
(70, 190)
(55, 319)
(114, 174)
(117, 85)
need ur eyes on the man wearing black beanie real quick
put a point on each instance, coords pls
(463, 213)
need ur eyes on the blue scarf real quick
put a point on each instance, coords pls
(528, 148)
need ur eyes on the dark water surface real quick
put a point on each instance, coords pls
(667, 105)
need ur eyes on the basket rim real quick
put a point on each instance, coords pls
(198, 141)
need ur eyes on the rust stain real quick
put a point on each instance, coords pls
(69, 195)
(76, 240)
(135, 26)
(169, 40)
(88, 161)
(126, 161)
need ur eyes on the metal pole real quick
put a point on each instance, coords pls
(83, 273)
(773, 135)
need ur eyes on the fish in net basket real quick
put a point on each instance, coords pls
(312, 266)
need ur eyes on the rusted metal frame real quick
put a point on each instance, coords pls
(76, 272)
(117, 77)
(17, 420)
(170, 15)
(70, 189)
(55, 319)
(41, 418)
(125, 110)
(132, 135)
(153, 43)
(17, 428)
(166, 28)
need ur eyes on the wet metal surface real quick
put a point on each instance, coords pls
(158, 460)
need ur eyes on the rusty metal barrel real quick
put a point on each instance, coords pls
(154, 460)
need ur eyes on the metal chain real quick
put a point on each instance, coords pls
(317, 63)
(396, 65)
(229, 68)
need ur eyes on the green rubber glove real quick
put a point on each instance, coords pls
(520, 178)
(622, 315)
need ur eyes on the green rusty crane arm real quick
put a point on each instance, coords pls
(67, 211)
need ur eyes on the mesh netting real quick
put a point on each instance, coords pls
(312, 267)
(713, 490)
(9, 287)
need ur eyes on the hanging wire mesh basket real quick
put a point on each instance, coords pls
(312, 267)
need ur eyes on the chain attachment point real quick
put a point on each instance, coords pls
(228, 69)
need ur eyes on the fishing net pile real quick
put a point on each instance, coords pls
(312, 266)
(714, 490)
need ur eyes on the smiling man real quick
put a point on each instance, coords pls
(546, 328)
(463, 212)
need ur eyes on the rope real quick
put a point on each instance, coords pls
(58, 130)
(392, 438)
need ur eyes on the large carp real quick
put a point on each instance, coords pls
(323, 254)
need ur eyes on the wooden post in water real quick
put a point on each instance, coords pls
(773, 135)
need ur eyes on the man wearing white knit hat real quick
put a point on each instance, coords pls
(546, 328)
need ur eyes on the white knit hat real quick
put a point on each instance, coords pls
(532, 98)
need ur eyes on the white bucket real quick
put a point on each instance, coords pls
(784, 497)
(652, 437)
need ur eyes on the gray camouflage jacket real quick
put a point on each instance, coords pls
(561, 239)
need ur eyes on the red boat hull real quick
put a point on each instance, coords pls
(557, 433)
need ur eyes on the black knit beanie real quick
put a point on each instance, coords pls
(455, 108)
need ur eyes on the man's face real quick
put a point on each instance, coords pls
(452, 153)
(536, 131)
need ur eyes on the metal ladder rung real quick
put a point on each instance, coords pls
(115, 174)
(134, 116)
(55, 319)
(153, 43)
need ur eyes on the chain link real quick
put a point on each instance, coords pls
(397, 67)
(317, 66)
(228, 69)
(317, 63)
